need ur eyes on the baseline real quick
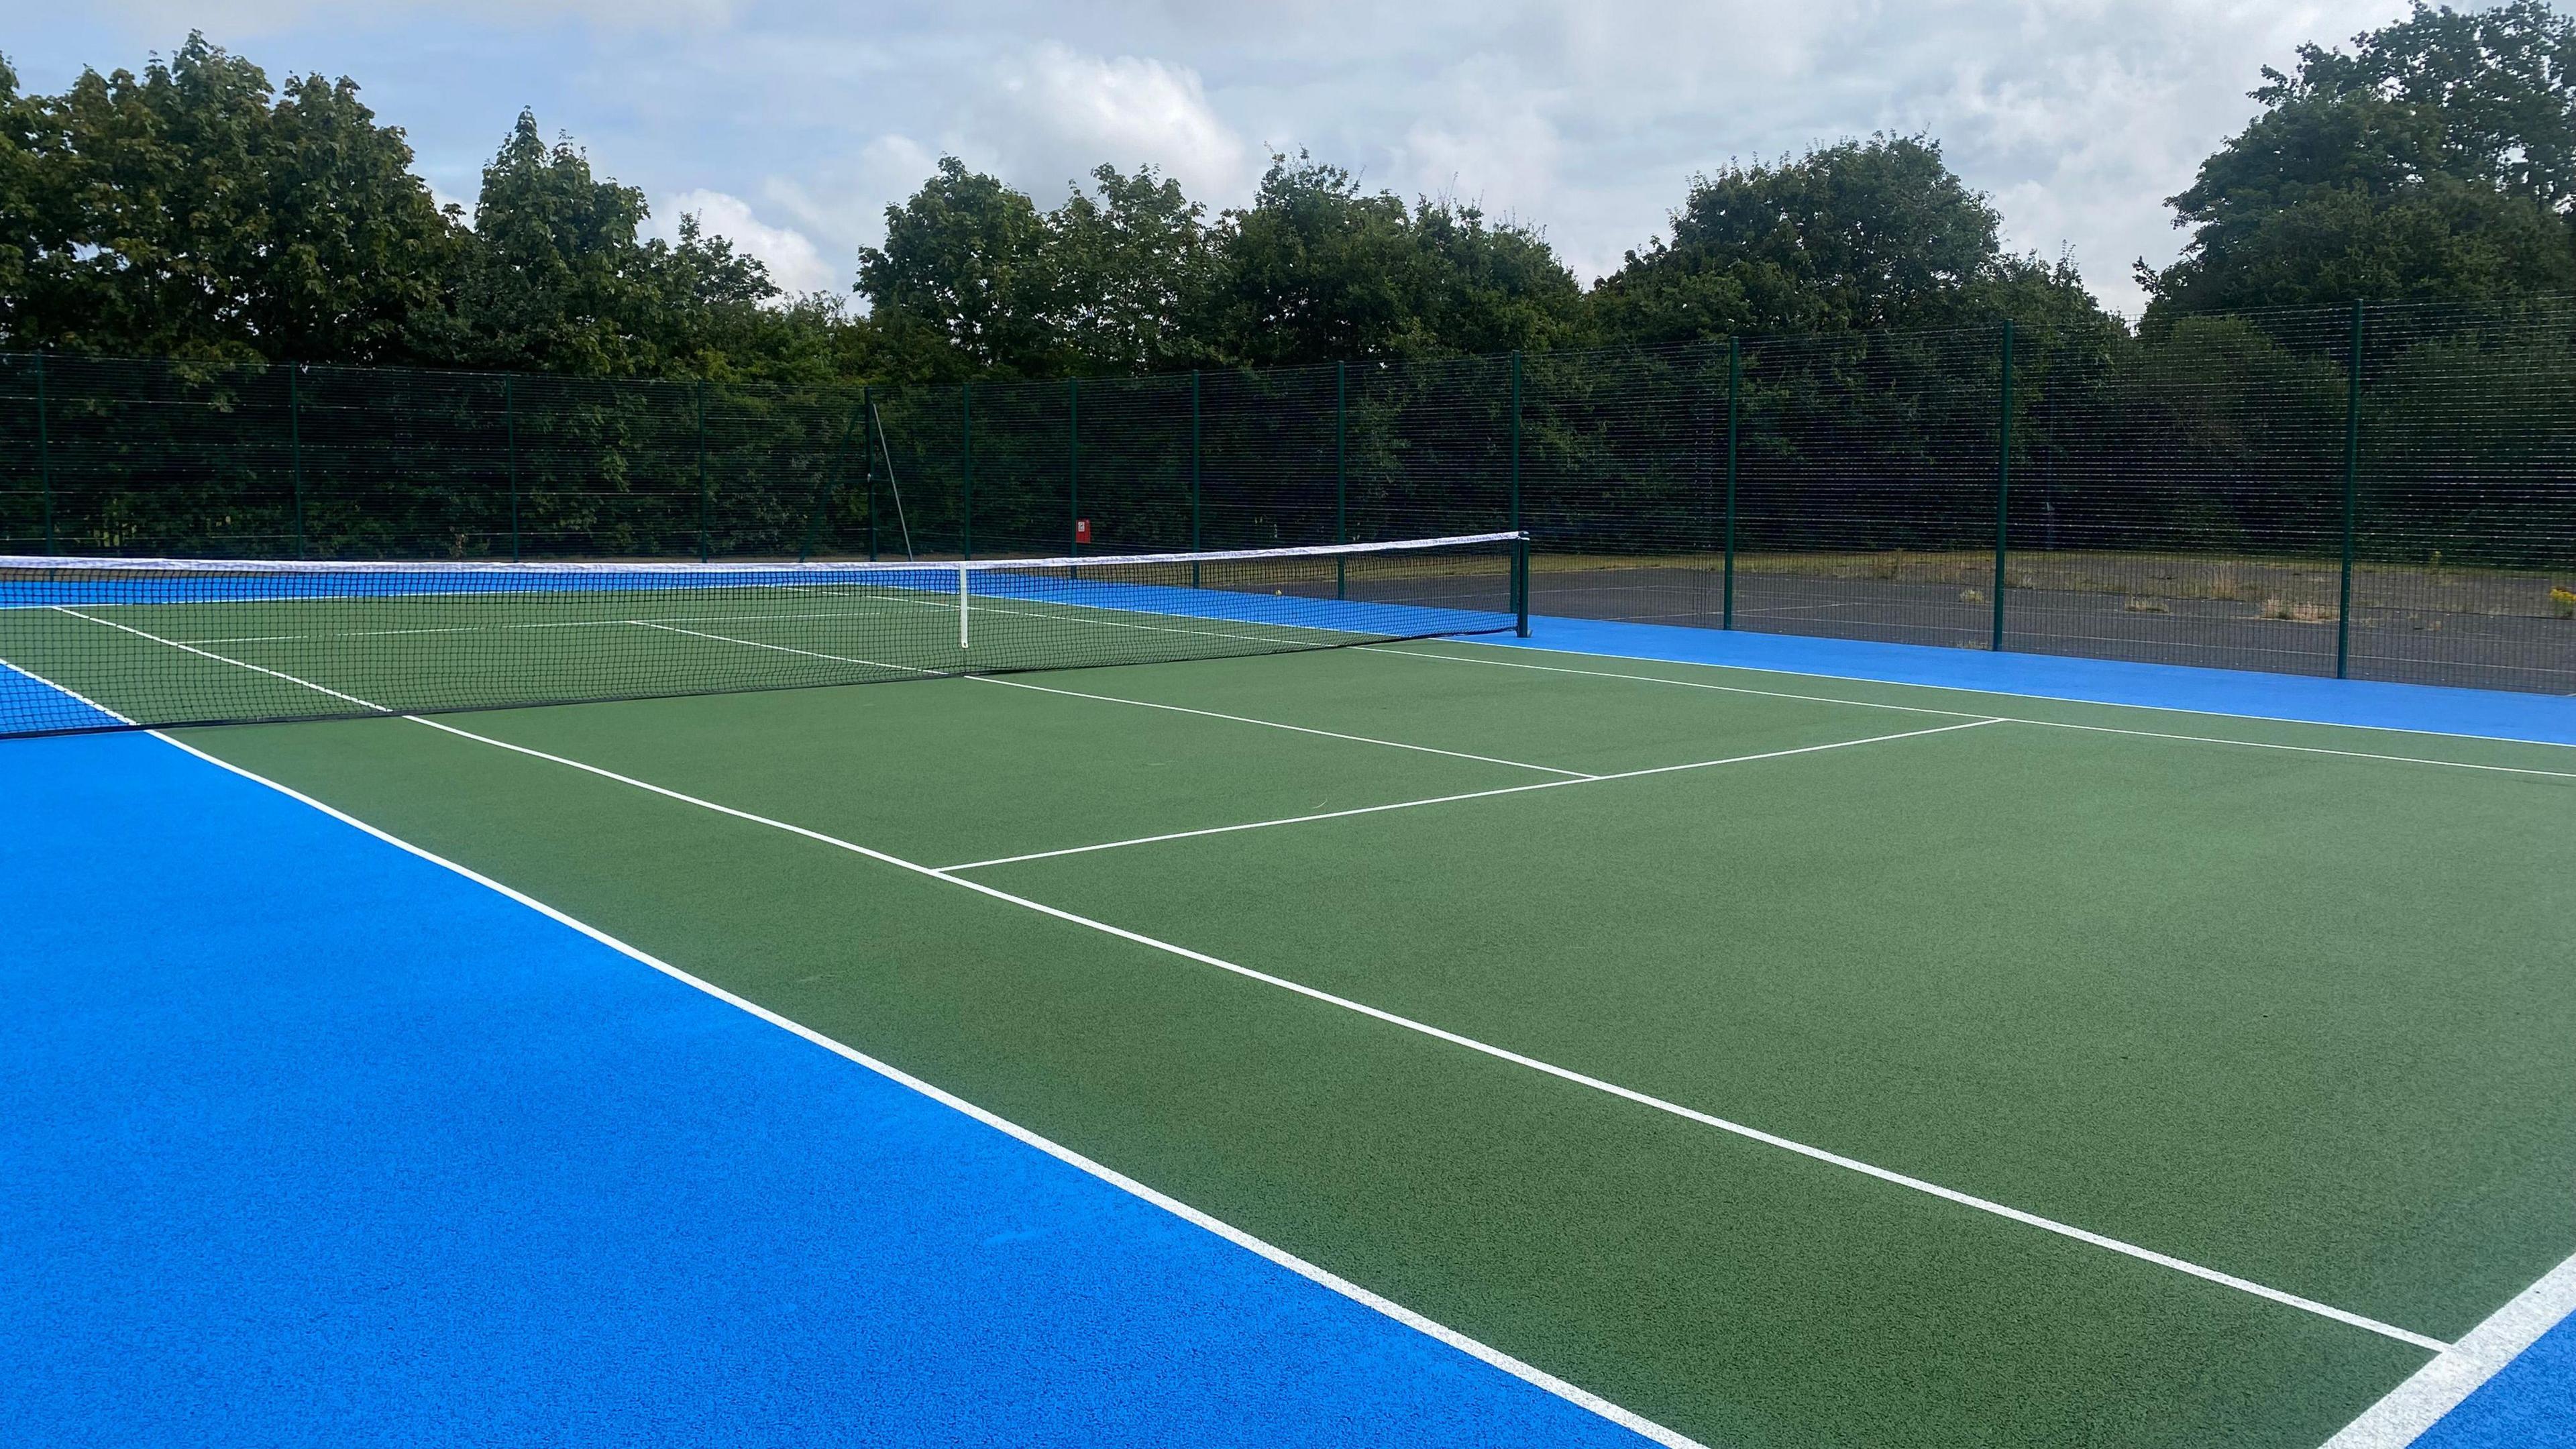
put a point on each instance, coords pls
(2457, 1372)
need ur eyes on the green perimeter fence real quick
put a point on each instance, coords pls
(2382, 492)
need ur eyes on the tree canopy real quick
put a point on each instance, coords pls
(199, 209)
(2435, 162)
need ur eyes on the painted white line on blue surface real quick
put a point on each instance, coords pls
(2442, 1385)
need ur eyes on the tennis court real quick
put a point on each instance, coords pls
(1783, 1059)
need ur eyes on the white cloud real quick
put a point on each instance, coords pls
(794, 262)
(1056, 108)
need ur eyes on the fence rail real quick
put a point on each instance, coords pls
(2383, 492)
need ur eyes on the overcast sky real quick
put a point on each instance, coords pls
(791, 126)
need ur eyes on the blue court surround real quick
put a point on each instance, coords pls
(2544, 718)
(304, 1139)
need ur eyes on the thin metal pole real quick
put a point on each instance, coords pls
(966, 470)
(510, 437)
(867, 435)
(2003, 483)
(44, 456)
(705, 502)
(1073, 464)
(1194, 475)
(1515, 524)
(2351, 495)
(1341, 474)
(1734, 411)
(295, 449)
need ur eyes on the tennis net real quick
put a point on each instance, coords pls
(107, 643)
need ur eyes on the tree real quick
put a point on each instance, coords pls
(187, 211)
(555, 276)
(1876, 234)
(2436, 162)
(19, 219)
(1316, 269)
(1123, 270)
(965, 267)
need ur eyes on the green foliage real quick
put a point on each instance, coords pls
(191, 211)
(2435, 162)
(1875, 234)
(965, 266)
(1316, 269)
(557, 278)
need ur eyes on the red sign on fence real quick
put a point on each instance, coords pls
(1082, 530)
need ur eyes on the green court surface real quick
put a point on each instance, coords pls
(1791, 1061)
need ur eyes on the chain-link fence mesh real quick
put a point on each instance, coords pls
(2387, 492)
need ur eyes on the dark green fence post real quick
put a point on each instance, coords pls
(510, 443)
(704, 501)
(966, 470)
(1073, 465)
(1194, 475)
(44, 455)
(1734, 411)
(1341, 474)
(2003, 482)
(868, 455)
(295, 449)
(1516, 443)
(2351, 495)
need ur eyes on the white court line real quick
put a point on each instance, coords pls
(1571, 775)
(1469, 795)
(1972, 689)
(224, 659)
(2148, 1255)
(1819, 1154)
(2442, 1385)
(2053, 724)
(1322, 1277)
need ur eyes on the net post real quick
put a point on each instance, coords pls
(1341, 474)
(295, 449)
(963, 593)
(1073, 466)
(1734, 411)
(2351, 494)
(1194, 475)
(966, 469)
(510, 445)
(1520, 585)
(2003, 482)
(867, 452)
(44, 454)
(704, 543)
